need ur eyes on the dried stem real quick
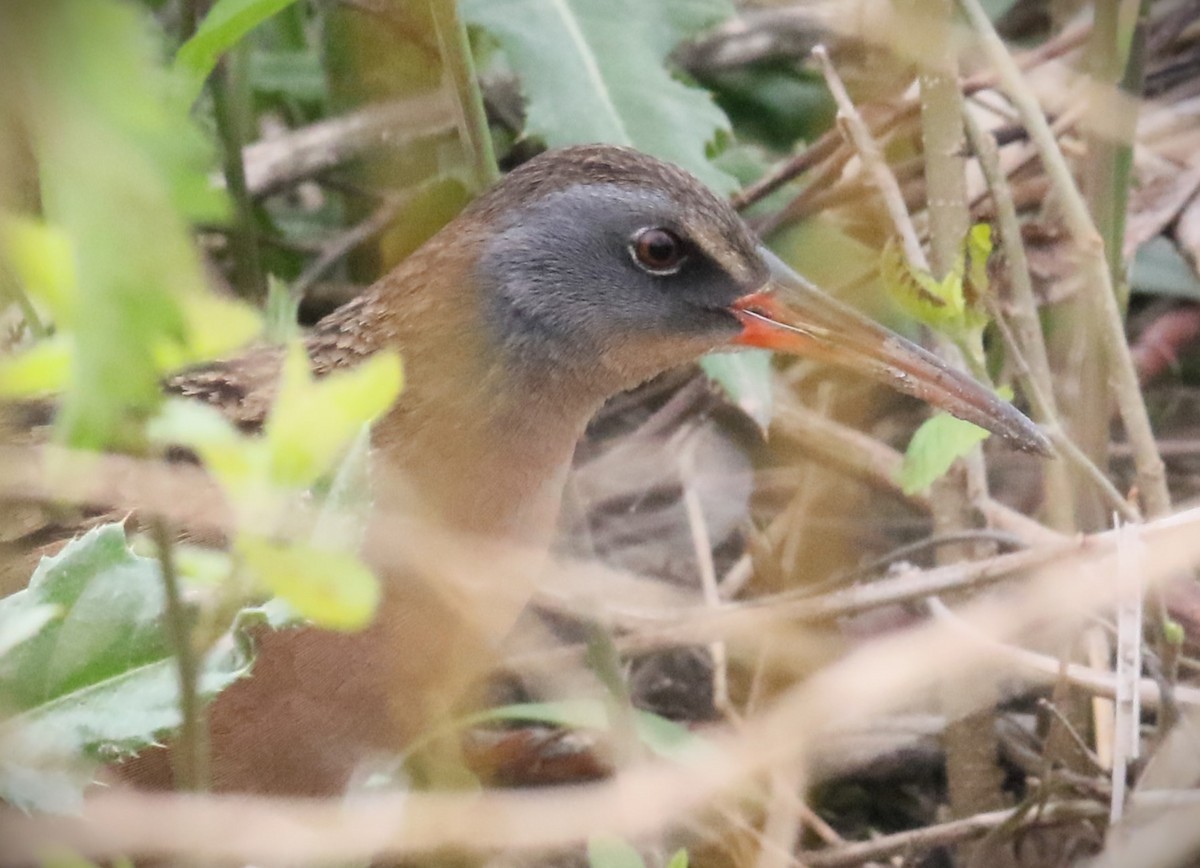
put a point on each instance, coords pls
(1151, 473)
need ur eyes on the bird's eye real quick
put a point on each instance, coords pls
(658, 251)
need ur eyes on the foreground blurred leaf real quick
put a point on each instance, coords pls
(331, 588)
(42, 259)
(224, 25)
(97, 683)
(314, 421)
(593, 71)
(1160, 269)
(43, 369)
(23, 625)
(104, 102)
(609, 851)
(935, 446)
(746, 379)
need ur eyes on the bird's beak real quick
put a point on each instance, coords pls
(812, 324)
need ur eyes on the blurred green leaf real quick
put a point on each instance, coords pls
(21, 626)
(296, 74)
(746, 378)
(224, 25)
(105, 102)
(43, 369)
(593, 71)
(679, 860)
(934, 447)
(42, 259)
(313, 421)
(1160, 269)
(609, 851)
(96, 683)
(241, 464)
(333, 589)
(213, 327)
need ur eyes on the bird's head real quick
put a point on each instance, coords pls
(608, 266)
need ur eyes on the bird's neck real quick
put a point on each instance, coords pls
(483, 446)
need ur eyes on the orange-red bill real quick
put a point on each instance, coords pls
(812, 324)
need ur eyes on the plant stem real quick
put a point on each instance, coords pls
(474, 133)
(224, 84)
(1151, 473)
(191, 755)
(1027, 339)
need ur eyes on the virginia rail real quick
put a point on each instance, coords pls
(583, 273)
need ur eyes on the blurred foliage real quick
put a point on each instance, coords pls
(92, 677)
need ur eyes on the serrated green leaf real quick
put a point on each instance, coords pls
(745, 378)
(332, 589)
(934, 447)
(314, 421)
(99, 681)
(43, 369)
(222, 28)
(609, 851)
(952, 305)
(23, 624)
(594, 71)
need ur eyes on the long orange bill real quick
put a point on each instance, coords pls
(814, 325)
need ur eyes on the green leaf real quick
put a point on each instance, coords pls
(331, 588)
(935, 446)
(222, 28)
(99, 681)
(105, 102)
(609, 851)
(22, 625)
(313, 421)
(240, 463)
(43, 369)
(952, 305)
(594, 71)
(1160, 269)
(298, 74)
(745, 378)
(43, 260)
(213, 327)
(679, 860)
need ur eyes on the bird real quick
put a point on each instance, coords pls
(581, 274)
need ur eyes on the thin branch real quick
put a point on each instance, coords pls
(943, 834)
(344, 242)
(873, 162)
(190, 758)
(1151, 473)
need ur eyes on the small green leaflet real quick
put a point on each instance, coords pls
(934, 447)
(222, 28)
